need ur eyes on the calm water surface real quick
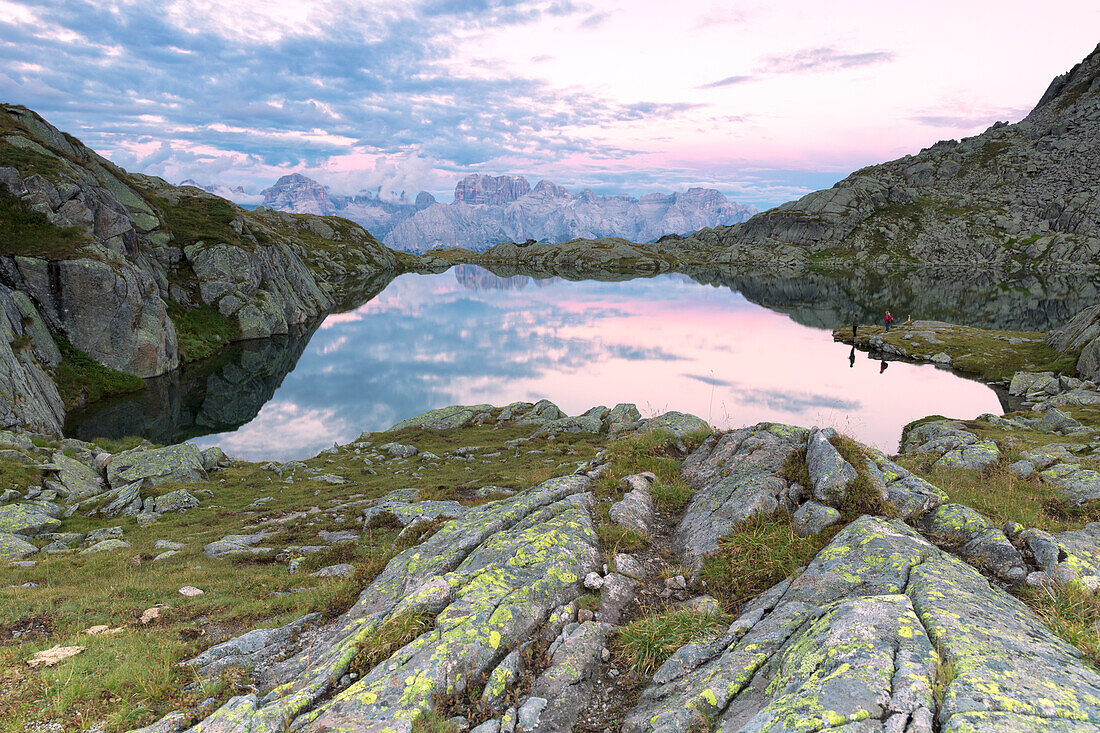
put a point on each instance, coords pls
(466, 336)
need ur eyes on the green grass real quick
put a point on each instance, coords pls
(201, 331)
(644, 645)
(29, 162)
(199, 218)
(28, 233)
(432, 721)
(81, 379)
(861, 497)
(1002, 496)
(1072, 613)
(757, 555)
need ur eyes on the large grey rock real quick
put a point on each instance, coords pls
(976, 540)
(179, 500)
(233, 545)
(812, 518)
(489, 579)
(542, 413)
(77, 480)
(248, 650)
(616, 593)
(859, 636)
(28, 395)
(559, 695)
(679, 424)
(908, 495)
(27, 519)
(445, 418)
(180, 463)
(1078, 484)
(1082, 334)
(13, 547)
(406, 509)
(635, 510)
(830, 474)
(734, 478)
(975, 457)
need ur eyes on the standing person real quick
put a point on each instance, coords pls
(889, 319)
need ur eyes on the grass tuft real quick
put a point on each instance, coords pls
(644, 645)
(757, 555)
(1072, 613)
(394, 633)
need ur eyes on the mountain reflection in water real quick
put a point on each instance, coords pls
(664, 343)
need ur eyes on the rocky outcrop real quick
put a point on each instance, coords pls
(1019, 195)
(28, 395)
(111, 253)
(1081, 335)
(861, 639)
(478, 188)
(488, 581)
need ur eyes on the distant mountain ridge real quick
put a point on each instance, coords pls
(490, 209)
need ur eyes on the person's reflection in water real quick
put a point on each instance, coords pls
(882, 366)
(852, 357)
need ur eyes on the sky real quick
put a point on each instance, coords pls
(764, 101)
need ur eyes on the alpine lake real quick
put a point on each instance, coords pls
(732, 349)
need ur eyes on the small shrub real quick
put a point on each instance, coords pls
(671, 496)
(620, 539)
(861, 496)
(644, 645)
(432, 721)
(201, 331)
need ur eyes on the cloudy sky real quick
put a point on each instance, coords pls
(763, 100)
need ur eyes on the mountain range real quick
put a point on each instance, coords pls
(491, 209)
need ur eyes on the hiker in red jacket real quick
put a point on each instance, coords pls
(889, 320)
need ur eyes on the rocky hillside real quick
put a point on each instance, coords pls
(1020, 195)
(491, 209)
(132, 274)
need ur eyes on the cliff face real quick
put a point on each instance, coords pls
(1016, 195)
(136, 273)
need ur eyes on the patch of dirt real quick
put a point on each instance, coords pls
(32, 628)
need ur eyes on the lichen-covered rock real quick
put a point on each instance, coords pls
(250, 649)
(543, 412)
(975, 540)
(635, 511)
(1078, 484)
(76, 480)
(105, 546)
(488, 578)
(238, 545)
(855, 642)
(830, 474)
(908, 495)
(975, 456)
(812, 518)
(734, 478)
(678, 424)
(181, 463)
(445, 418)
(406, 509)
(15, 548)
(398, 450)
(213, 458)
(27, 519)
(179, 500)
(559, 695)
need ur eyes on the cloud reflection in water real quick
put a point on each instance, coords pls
(664, 343)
